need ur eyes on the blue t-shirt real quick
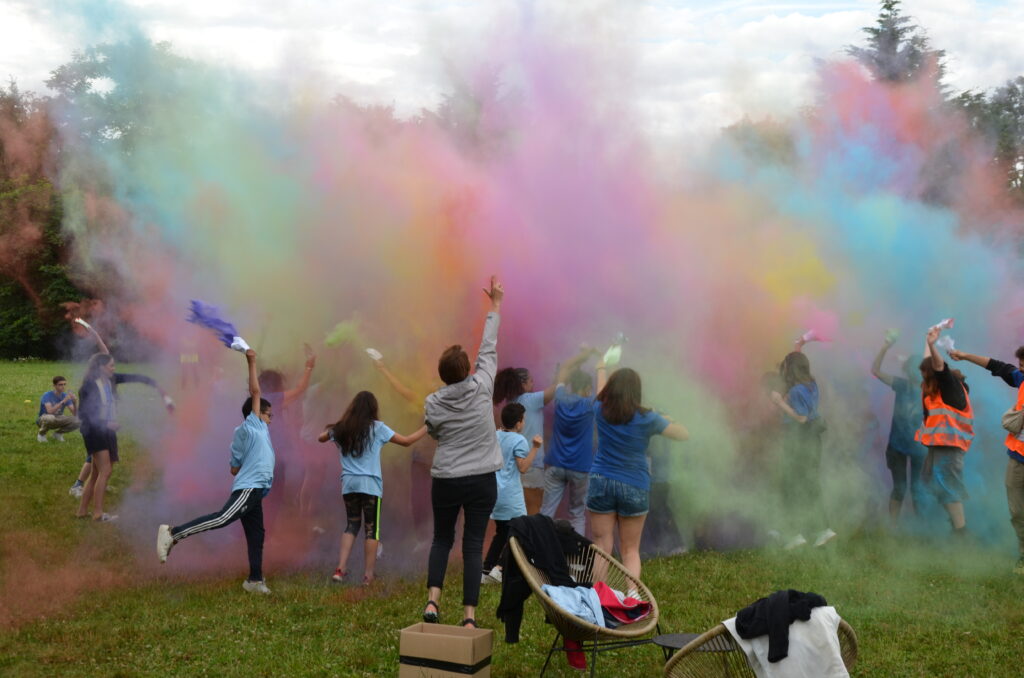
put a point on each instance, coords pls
(622, 448)
(511, 503)
(572, 433)
(533, 421)
(50, 398)
(803, 398)
(362, 473)
(906, 417)
(252, 452)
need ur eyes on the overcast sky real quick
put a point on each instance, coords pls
(698, 65)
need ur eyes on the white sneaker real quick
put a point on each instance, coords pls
(825, 537)
(59, 437)
(41, 437)
(76, 490)
(106, 518)
(795, 543)
(495, 574)
(164, 542)
(255, 586)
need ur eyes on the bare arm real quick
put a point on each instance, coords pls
(937, 362)
(325, 436)
(979, 360)
(291, 395)
(524, 464)
(487, 355)
(402, 390)
(73, 406)
(676, 432)
(602, 376)
(254, 382)
(876, 367)
(784, 406)
(96, 336)
(565, 369)
(406, 441)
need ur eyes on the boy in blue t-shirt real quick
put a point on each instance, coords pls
(252, 465)
(517, 455)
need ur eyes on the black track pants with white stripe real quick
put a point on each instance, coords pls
(247, 505)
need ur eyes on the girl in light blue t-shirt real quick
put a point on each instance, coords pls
(360, 436)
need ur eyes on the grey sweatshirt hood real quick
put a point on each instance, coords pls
(461, 416)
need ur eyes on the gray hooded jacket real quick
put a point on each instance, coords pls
(461, 416)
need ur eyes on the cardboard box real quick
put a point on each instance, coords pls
(442, 651)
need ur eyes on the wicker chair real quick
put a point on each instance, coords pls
(593, 638)
(716, 653)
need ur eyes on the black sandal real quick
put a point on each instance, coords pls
(467, 621)
(432, 617)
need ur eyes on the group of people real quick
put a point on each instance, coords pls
(492, 463)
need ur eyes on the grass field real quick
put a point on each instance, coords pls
(74, 601)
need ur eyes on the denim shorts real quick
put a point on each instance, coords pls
(533, 479)
(605, 495)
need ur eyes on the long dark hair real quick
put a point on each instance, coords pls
(510, 383)
(92, 370)
(930, 379)
(620, 398)
(352, 432)
(796, 369)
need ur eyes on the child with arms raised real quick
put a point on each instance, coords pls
(360, 436)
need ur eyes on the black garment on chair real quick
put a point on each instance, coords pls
(546, 544)
(773, 615)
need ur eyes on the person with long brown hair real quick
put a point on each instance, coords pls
(618, 494)
(359, 436)
(801, 479)
(947, 431)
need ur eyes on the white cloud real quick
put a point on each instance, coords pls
(693, 66)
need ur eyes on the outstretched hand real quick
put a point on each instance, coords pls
(310, 356)
(933, 334)
(956, 355)
(250, 354)
(538, 441)
(496, 292)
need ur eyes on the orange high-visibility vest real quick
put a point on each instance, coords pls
(1013, 442)
(945, 425)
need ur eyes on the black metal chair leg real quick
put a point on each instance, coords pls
(550, 652)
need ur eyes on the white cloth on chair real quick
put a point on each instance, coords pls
(814, 650)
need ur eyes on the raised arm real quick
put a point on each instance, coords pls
(127, 378)
(487, 356)
(254, 382)
(876, 367)
(402, 390)
(566, 368)
(293, 394)
(406, 441)
(933, 353)
(979, 360)
(676, 432)
(95, 335)
(602, 376)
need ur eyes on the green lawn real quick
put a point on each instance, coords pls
(74, 601)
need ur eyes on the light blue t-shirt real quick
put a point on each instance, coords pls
(511, 503)
(252, 452)
(622, 448)
(362, 473)
(533, 421)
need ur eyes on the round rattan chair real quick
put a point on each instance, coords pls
(591, 566)
(716, 653)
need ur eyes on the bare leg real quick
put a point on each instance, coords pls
(894, 510)
(90, 483)
(101, 473)
(956, 515)
(347, 539)
(86, 472)
(603, 527)
(370, 555)
(534, 498)
(630, 530)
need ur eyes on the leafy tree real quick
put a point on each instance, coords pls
(897, 50)
(1000, 117)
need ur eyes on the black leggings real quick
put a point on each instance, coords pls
(498, 544)
(475, 495)
(246, 504)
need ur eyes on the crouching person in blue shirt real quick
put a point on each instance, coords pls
(252, 465)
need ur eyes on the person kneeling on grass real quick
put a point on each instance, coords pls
(51, 412)
(360, 436)
(252, 465)
(511, 503)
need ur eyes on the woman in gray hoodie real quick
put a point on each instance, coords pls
(460, 417)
